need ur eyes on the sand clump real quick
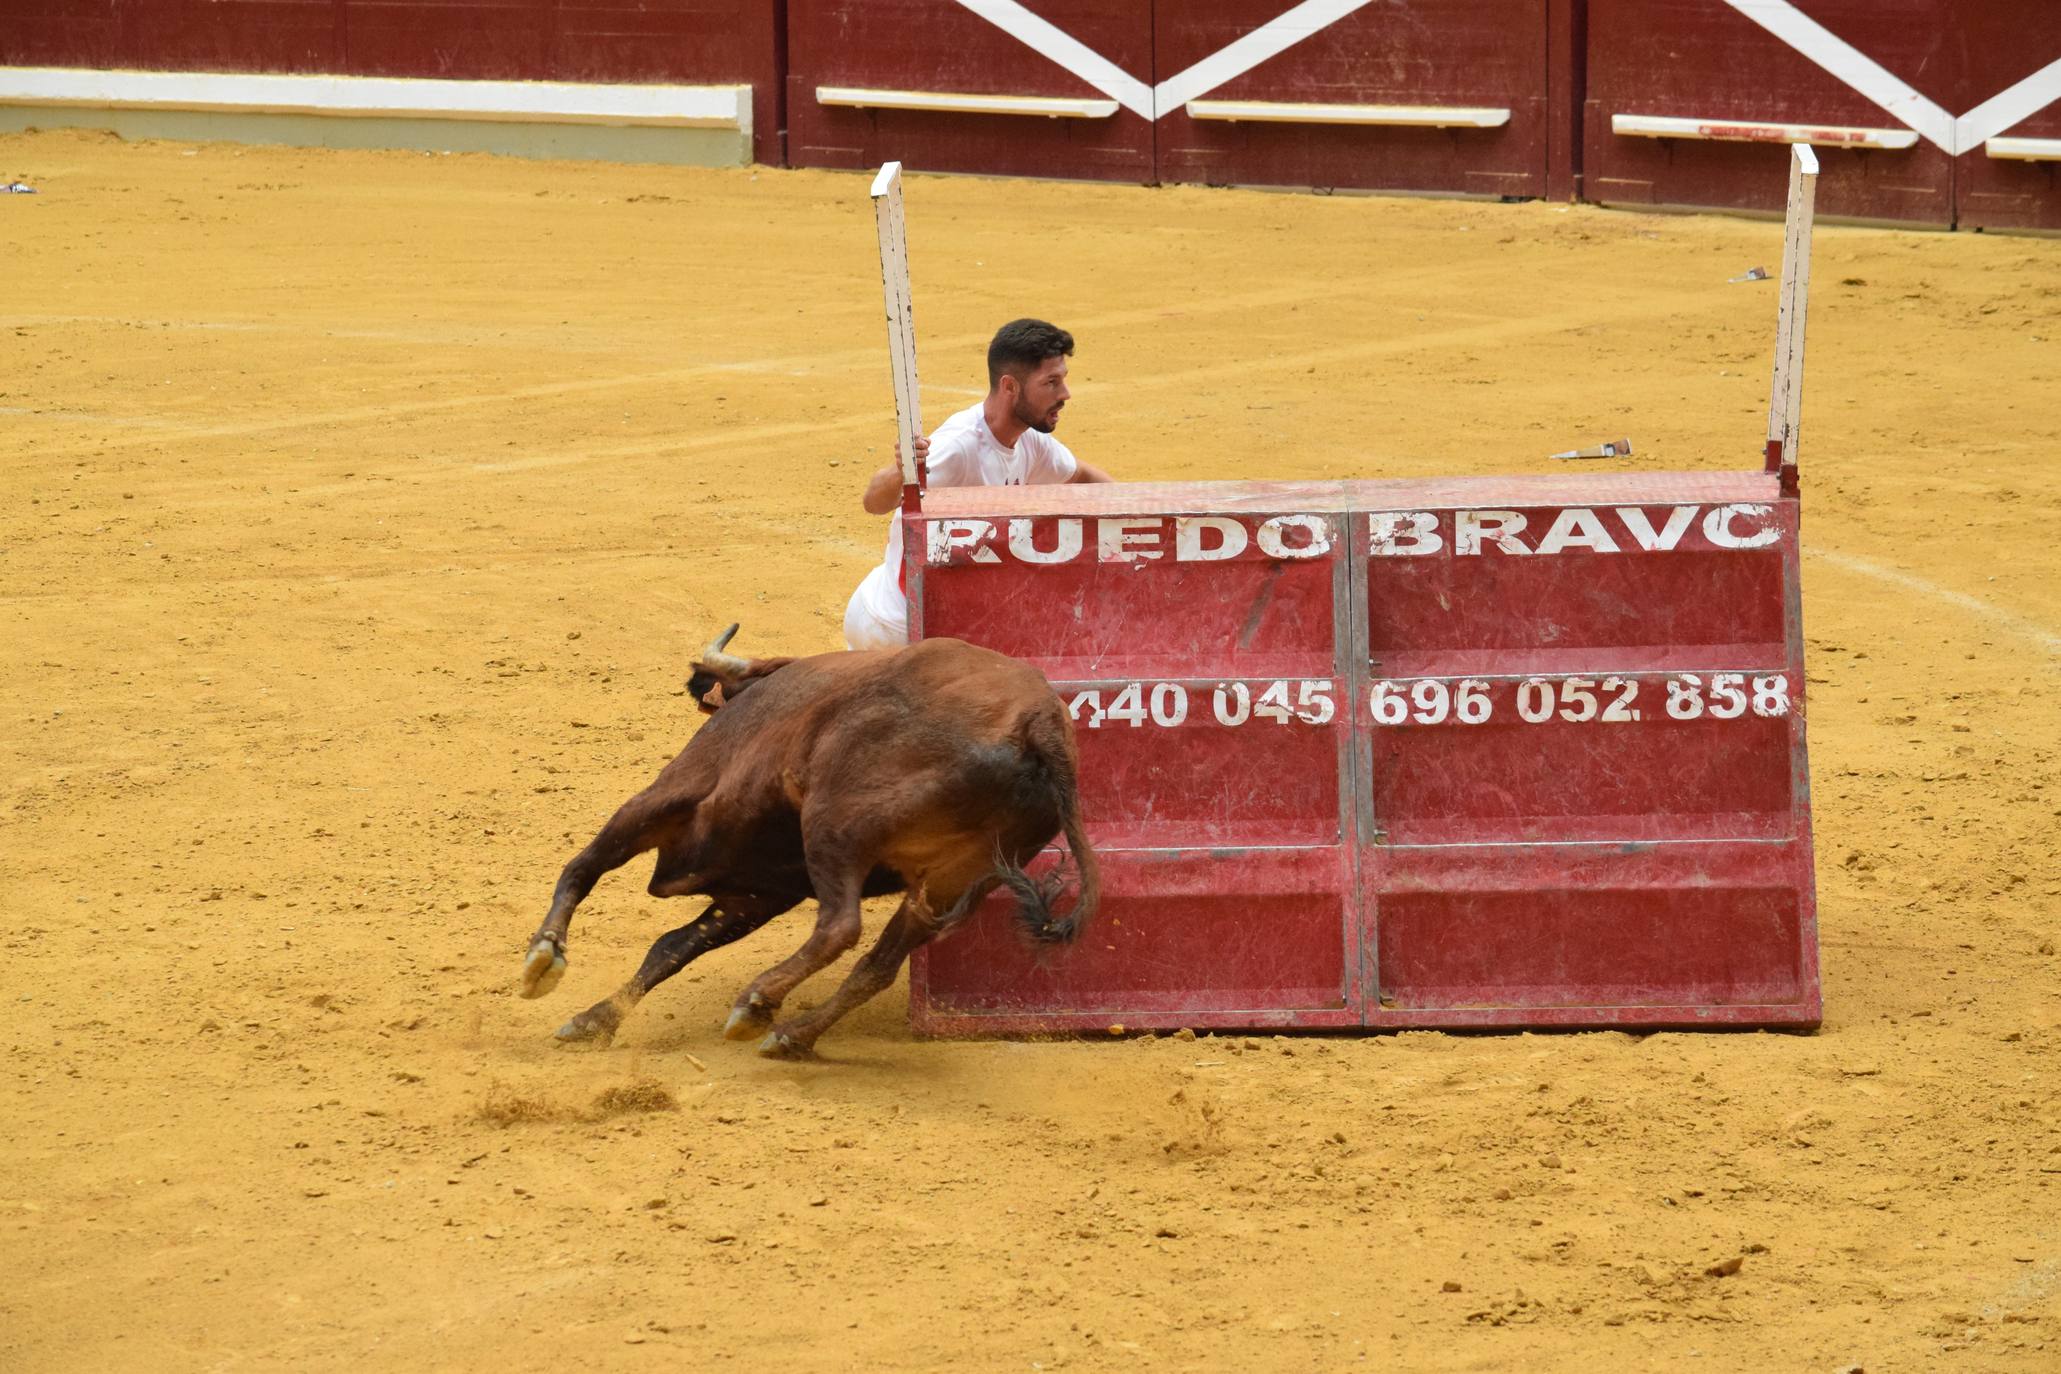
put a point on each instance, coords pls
(504, 1106)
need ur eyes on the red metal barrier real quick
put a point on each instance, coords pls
(1468, 753)
(1689, 102)
(1585, 798)
(934, 86)
(1499, 751)
(1432, 95)
(1201, 638)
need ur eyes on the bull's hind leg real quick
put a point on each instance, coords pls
(912, 926)
(718, 925)
(837, 930)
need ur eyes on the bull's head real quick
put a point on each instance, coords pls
(716, 674)
(719, 677)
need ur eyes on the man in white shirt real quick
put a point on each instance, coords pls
(1005, 441)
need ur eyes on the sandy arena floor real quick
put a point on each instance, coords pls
(362, 510)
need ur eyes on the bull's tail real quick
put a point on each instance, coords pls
(1045, 746)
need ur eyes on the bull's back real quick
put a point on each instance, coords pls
(986, 691)
(947, 682)
(938, 701)
(988, 732)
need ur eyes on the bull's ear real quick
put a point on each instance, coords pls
(706, 688)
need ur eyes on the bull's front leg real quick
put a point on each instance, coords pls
(719, 923)
(626, 835)
(544, 965)
(837, 930)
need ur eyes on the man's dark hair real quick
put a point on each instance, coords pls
(1023, 345)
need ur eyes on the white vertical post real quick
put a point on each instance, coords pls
(901, 324)
(1785, 400)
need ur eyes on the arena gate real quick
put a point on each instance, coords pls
(1506, 751)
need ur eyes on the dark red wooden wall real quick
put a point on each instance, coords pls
(1468, 53)
(1562, 68)
(1997, 46)
(939, 46)
(689, 42)
(1705, 60)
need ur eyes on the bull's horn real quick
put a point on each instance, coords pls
(714, 656)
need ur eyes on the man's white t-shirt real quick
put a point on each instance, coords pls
(963, 453)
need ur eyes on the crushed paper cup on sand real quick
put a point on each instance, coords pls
(1751, 274)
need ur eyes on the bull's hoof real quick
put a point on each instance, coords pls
(594, 1026)
(779, 1045)
(542, 968)
(752, 1018)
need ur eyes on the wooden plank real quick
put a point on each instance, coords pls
(1313, 112)
(1785, 400)
(952, 102)
(2024, 149)
(552, 102)
(901, 321)
(1759, 131)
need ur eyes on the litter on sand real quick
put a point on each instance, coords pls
(1751, 274)
(1616, 448)
(17, 188)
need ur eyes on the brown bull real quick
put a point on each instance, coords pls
(936, 770)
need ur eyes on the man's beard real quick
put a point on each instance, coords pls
(1036, 422)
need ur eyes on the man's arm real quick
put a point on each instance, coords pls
(884, 491)
(884, 488)
(1088, 472)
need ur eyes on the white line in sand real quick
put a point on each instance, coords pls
(2016, 624)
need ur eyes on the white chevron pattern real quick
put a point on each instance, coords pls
(1863, 74)
(1839, 58)
(1228, 63)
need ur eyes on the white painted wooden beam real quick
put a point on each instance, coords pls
(1785, 397)
(537, 102)
(1297, 112)
(1757, 131)
(949, 102)
(2024, 149)
(895, 293)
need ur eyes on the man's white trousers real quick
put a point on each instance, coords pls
(869, 621)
